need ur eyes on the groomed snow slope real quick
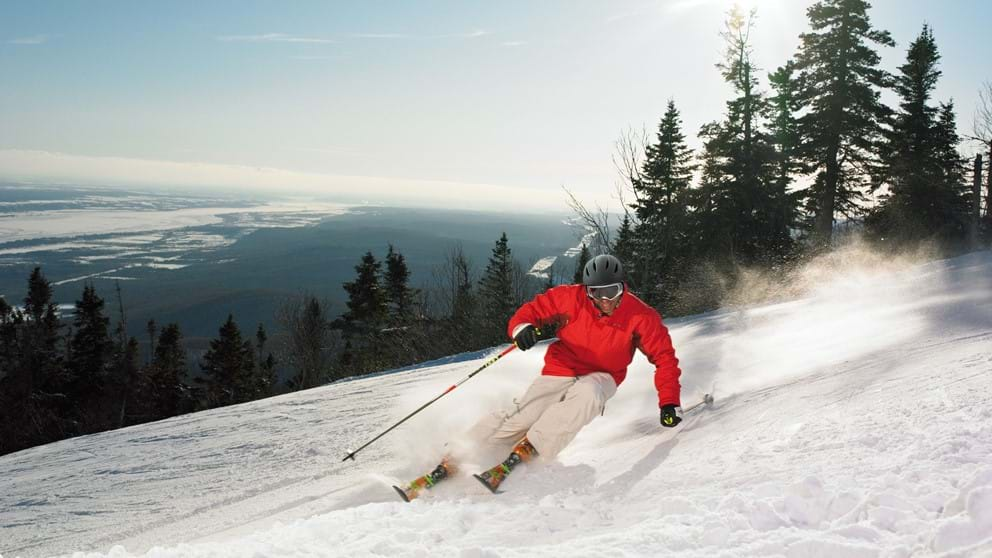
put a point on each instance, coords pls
(855, 421)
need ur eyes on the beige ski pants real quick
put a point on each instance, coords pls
(550, 414)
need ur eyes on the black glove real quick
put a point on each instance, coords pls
(669, 419)
(526, 338)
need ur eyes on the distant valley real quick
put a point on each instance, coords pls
(192, 259)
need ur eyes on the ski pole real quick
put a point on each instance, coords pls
(707, 400)
(490, 362)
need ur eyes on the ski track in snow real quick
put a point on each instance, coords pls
(854, 422)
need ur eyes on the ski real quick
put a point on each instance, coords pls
(418, 485)
(492, 478)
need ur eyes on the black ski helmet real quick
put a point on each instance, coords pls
(604, 269)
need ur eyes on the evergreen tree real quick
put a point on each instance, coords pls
(366, 298)
(661, 208)
(784, 137)
(839, 88)
(226, 365)
(398, 292)
(167, 374)
(91, 351)
(42, 366)
(152, 329)
(12, 397)
(10, 320)
(741, 216)
(923, 171)
(580, 264)
(365, 318)
(624, 248)
(496, 293)
(261, 383)
(33, 402)
(128, 385)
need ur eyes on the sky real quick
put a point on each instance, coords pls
(407, 102)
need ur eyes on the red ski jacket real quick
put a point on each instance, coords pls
(591, 342)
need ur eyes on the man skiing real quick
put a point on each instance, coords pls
(600, 325)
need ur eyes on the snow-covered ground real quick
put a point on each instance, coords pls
(854, 421)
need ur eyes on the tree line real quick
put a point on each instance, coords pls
(67, 376)
(64, 377)
(787, 167)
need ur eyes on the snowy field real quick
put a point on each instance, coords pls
(854, 421)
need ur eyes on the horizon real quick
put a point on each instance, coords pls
(430, 105)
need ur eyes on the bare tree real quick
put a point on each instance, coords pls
(595, 222)
(628, 160)
(309, 344)
(982, 129)
(451, 282)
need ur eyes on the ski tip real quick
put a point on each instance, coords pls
(485, 483)
(402, 493)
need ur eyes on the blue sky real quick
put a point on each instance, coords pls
(503, 103)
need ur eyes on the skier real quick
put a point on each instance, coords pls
(600, 324)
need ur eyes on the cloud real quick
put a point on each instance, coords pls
(32, 40)
(513, 43)
(467, 35)
(61, 168)
(272, 38)
(472, 34)
(316, 57)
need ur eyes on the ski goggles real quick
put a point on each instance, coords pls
(605, 292)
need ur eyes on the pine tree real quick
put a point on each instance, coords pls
(624, 248)
(152, 329)
(784, 137)
(42, 366)
(10, 319)
(366, 316)
(496, 292)
(34, 407)
(92, 347)
(741, 215)
(839, 91)
(922, 169)
(128, 381)
(661, 208)
(366, 298)
(167, 374)
(263, 378)
(226, 365)
(89, 364)
(398, 292)
(13, 399)
(580, 264)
